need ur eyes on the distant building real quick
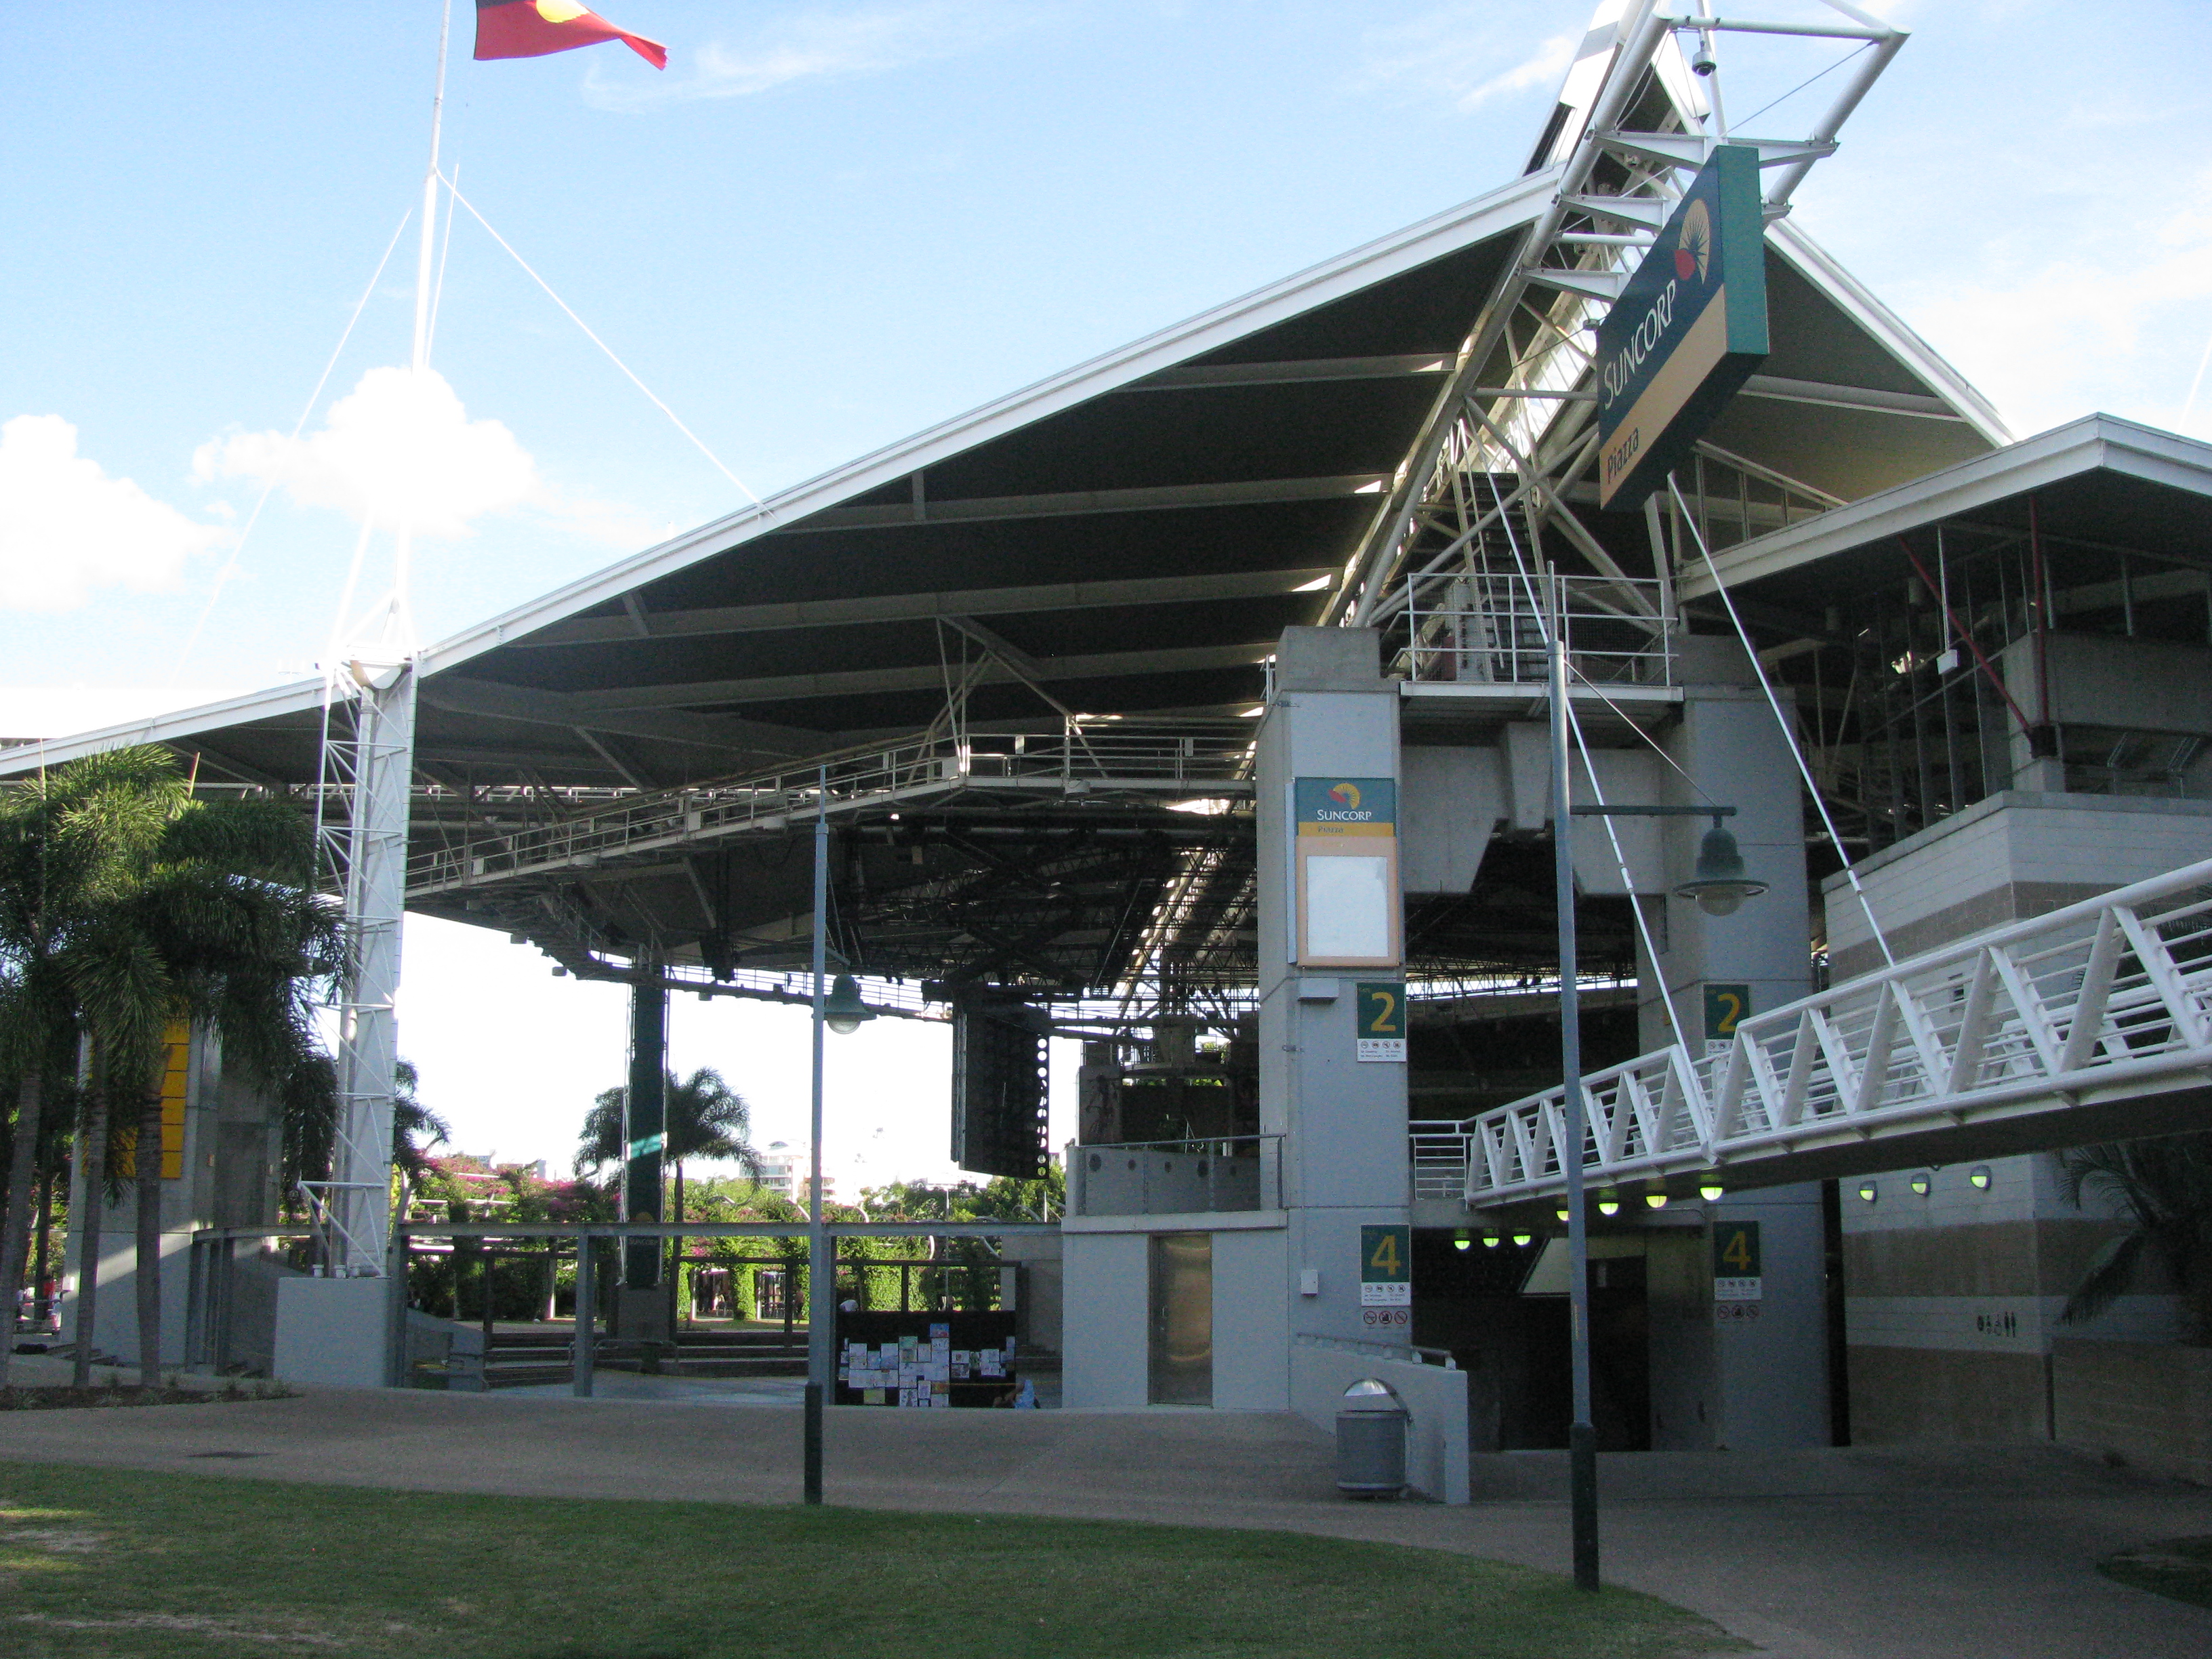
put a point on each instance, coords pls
(783, 1172)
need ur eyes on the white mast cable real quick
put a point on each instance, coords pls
(1781, 720)
(1642, 927)
(445, 253)
(1635, 908)
(528, 270)
(230, 565)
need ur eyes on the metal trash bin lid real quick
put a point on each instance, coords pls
(1372, 1395)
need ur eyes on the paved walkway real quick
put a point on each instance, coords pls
(1859, 1554)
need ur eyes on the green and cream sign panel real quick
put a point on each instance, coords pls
(1346, 872)
(1687, 333)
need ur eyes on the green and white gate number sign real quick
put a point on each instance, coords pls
(1736, 1271)
(1725, 1003)
(1386, 1277)
(1379, 1016)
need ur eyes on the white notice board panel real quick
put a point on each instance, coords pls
(1348, 903)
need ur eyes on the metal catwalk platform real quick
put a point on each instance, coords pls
(2091, 1023)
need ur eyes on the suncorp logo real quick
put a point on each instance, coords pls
(1343, 798)
(1693, 249)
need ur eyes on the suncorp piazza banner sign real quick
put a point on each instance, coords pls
(1687, 331)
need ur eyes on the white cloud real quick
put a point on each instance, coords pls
(2116, 323)
(864, 39)
(1455, 53)
(66, 527)
(394, 449)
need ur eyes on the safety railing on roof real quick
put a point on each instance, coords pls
(1162, 758)
(2094, 1003)
(1482, 627)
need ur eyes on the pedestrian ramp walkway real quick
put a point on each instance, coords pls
(2091, 1023)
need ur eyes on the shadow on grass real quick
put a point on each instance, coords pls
(190, 1564)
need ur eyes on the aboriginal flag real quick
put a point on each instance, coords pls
(530, 28)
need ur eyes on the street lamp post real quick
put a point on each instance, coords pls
(820, 1293)
(1582, 1435)
(841, 1010)
(1719, 885)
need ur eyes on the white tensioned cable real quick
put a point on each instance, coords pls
(230, 564)
(1563, 823)
(1628, 882)
(1888, 956)
(695, 442)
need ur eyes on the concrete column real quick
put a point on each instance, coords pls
(1343, 1121)
(1755, 1378)
(1727, 741)
(645, 1124)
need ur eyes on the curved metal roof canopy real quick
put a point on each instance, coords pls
(1025, 636)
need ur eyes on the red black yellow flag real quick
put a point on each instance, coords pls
(530, 28)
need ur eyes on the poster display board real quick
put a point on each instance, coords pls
(1347, 871)
(925, 1360)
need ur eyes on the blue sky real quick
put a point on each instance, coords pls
(830, 223)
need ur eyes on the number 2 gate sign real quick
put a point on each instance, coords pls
(1381, 1016)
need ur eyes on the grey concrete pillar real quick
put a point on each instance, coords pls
(1748, 1374)
(1342, 1120)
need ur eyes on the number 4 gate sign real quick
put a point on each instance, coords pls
(1736, 1276)
(1386, 1277)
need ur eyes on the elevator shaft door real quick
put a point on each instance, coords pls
(1181, 1319)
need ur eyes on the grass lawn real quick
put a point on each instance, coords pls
(145, 1566)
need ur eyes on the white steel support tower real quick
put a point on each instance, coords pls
(369, 768)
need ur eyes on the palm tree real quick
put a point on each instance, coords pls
(2164, 1188)
(706, 1118)
(415, 1129)
(125, 906)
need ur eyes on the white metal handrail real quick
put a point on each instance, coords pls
(1481, 626)
(2105, 999)
(1174, 759)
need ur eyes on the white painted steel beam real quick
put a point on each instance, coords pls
(2073, 1020)
(925, 607)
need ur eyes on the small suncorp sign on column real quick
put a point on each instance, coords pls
(1687, 333)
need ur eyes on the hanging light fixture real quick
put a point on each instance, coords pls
(1721, 883)
(1608, 1202)
(1459, 1240)
(1523, 1241)
(1490, 1241)
(1711, 1189)
(1656, 1198)
(842, 1010)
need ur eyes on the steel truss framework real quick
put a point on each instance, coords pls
(1513, 429)
(2094, 1019)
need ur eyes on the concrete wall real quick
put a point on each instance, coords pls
(2012, 855)
(330, 1332)
(1954, 1300)
(1251, 1328)
(228, 1179)
(1773, 1369)
(2149, 1404)
(1104, 1337)
(1436, 1452)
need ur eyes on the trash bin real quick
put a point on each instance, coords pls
(1371, 1441)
